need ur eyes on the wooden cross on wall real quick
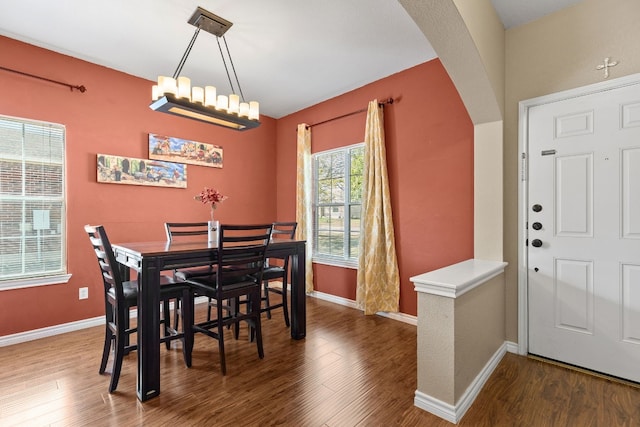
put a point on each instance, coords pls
(606, 66)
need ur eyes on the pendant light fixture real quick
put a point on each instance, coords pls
(174, 95)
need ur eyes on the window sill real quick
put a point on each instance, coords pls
(34, 281)
(335, 262)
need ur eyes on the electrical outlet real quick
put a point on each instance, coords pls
(83, 293)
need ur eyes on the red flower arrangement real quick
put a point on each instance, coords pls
(212, 197)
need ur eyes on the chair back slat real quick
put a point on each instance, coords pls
(286, 230)
(241, 253)
(283, 230)
(106, 259)
(185, 229)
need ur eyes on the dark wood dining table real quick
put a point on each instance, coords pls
(150, 259)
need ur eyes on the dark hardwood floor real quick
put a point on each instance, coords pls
(351, 370)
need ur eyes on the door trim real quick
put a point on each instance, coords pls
(523, 189)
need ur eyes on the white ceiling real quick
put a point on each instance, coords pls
(518, 12)
(288, 54)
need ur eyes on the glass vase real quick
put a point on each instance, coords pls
(212, 232)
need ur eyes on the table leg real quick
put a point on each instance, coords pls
(298, 294)
(148, 384)
(187, 323)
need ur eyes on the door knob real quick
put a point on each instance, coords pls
(536, 226)
(536, 208)
(536, 243)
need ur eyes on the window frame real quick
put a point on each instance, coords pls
(48, 277)
(322, 258)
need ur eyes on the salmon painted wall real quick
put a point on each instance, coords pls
(429, 140)
(112, 117)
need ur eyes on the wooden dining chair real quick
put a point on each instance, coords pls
(279, 271)
(239, 263)
(188, 230)
(120, 296)
(185, 231)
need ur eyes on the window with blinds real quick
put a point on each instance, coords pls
(32, 200)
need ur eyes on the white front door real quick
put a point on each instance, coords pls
(583, 227)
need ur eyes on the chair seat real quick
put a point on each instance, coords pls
(167, 286)
(185, 274)
(204, 286)
(271, 273)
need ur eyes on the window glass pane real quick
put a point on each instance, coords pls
(11, 139)
(337, 190)
(43, 179)
(10, 251)
(337, 165)
(10, 177)
(331, 230)
(323, 167)
(331, 243)
(43, 143)
(354, 245)
(354, 216)
(357, 171)
(323, 190)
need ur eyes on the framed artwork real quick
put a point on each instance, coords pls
(132, 171)
(173, 149)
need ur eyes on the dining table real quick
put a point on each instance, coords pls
(151, 259)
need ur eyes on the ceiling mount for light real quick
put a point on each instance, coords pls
(209, 22)
(174, 95)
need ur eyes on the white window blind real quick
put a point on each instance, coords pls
(32, 200)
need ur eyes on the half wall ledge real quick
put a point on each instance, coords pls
(457, 279)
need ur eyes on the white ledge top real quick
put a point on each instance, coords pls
(457, 279)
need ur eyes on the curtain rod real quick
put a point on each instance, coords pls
(81, 88)
(380, 104)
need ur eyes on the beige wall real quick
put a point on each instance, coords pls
(435, 368)
(468, 330)
(479, 319)
(487, 191)
(555, 53)
(487, 32)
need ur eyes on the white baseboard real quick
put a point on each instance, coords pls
(50, 331)
(334, 299)
(455, 413)
(402, 317)
(512, 347)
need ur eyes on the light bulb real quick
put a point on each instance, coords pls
(167, 85)
(197, 94)
(254, 110)
(222, 103)
(244, 109)
(234, 103)
(184, 87)
(210, 96)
